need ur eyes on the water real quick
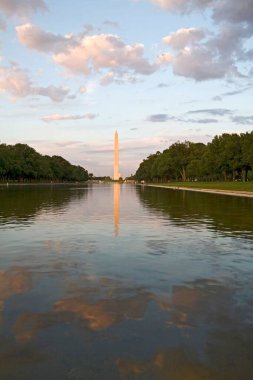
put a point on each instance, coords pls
(109, 282)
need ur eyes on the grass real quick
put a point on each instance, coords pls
(230, 186)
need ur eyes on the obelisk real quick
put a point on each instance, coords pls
(116, 157)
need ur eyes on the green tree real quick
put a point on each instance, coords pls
(21, 162)
(247, 154)
(144, 171)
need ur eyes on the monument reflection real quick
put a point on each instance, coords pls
(116, 195)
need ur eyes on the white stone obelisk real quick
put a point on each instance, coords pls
(116, 157)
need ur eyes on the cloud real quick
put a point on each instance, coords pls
(22, 7)
(244, 120)
(160, 118)
(195, 130)
(232, 93)
(118, 78)
(162, 85)
(57, 94)
(202, 121)
(2, 24)
(164, 59)
(184, 37)
(212, 111)
(88, 28)
(203, 56)
(102, 52)
(57, 117)
(217, 98)
(16, 82)
(114, 24)
(72, 96)
(201, 64)
(202, 60)
(35, 38)
(236, 92)
(182, 5)
(232, 11)
(107, 79)
(70, 143)
(86, 54)
(83, 90)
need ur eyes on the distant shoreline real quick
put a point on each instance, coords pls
(236, 193)
(7, 184)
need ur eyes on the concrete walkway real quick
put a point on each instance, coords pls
(247, 194)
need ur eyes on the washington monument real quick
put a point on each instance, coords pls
(116, 157)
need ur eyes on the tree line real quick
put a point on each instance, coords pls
(22, 163)
(226, 157)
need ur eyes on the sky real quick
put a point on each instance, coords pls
(157, 71)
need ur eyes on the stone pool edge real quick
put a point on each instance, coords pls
(209, 191)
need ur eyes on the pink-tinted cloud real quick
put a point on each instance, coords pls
(36, 38)
(83, 90)
(16, 82)
(184, 37)
(84, 54)
(164, 59)
(21, 7)
(104, 51)
(57, 117)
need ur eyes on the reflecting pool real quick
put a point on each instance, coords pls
(122, 282)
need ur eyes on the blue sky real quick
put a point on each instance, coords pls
(158, 71)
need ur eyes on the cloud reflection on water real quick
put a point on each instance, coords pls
(151, 304)
(13, 281)
(205, 312)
